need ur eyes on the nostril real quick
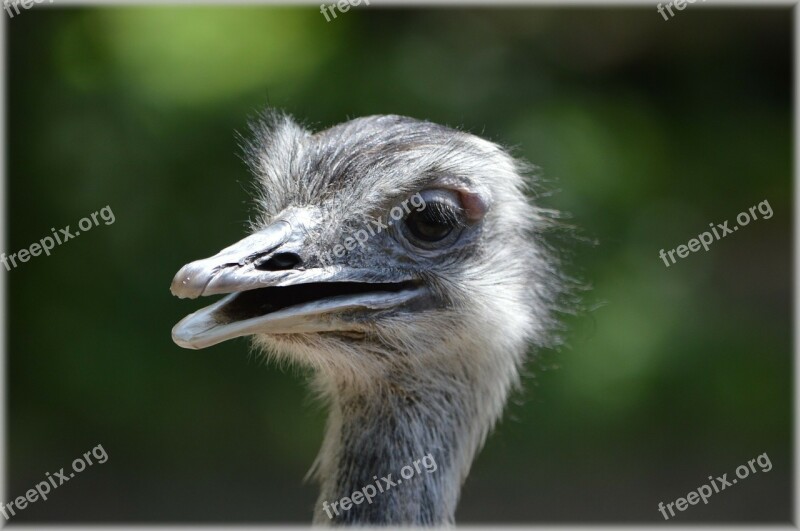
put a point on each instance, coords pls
(279, 262)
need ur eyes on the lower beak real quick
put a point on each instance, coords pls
(294, 300)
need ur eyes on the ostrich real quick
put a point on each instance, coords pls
(415, 335)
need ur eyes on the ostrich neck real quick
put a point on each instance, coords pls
(431, 431)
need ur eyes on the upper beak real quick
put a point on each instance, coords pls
(232, 267)
(279, 297)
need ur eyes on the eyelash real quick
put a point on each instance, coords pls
(445, 214)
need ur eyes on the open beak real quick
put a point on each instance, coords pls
(267, 294)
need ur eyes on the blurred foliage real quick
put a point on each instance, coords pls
(645, 130)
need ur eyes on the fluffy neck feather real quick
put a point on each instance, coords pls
(377, 429)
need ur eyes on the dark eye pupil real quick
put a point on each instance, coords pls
(426, 227)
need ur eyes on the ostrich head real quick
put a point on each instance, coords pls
(402, 262)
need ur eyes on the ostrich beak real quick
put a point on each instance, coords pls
(287, 301)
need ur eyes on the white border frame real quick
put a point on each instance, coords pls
(709, 4)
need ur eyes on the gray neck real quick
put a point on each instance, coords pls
(374, 433)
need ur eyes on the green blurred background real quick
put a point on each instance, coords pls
(646, 130)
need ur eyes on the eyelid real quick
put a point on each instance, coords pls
(469, 206)
(446, 213)
(447, 198)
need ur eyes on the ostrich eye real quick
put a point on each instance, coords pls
(436, 222)
(433, 224)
